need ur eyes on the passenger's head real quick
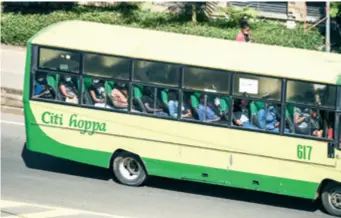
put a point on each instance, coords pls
(318, 133)
(40, 78)
(149, 91)
(96, 81)
(67, 78)
(120, 85)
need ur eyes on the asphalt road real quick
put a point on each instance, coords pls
(40, 179)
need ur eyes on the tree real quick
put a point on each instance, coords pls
(335, 9)
(194, 9)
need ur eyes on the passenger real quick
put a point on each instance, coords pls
(42, 89)
(243, 35)
(148, 102)
(68, 90)
(173, 105)
(241, 116)
(206, 114)
(120, 96)
(97, 92)
(301, 121)
(267, 119)
(318, 133)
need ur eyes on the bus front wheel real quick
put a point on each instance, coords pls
(331, 198)
(128, 169)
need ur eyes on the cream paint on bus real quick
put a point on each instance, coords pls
(195, 144)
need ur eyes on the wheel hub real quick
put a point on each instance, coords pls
(129, 168)
(335, 198)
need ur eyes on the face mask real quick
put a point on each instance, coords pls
(68, 79)
(96, 80)
(40, 79)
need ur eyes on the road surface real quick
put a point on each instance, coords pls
(12, 67)
(40, 179)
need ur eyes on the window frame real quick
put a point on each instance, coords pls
(35, 68)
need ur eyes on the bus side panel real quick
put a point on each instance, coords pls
(232, 178)
(38, 141)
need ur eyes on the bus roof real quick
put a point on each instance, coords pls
(193, 50)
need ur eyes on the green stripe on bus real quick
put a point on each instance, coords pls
(231, 178)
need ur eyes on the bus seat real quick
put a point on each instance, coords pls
(195, 97)
(137, 98)
(254, 114)
(164, 96)
(289, 118)
(194, 100)
(259, 105)
(51, 81)
(224, 103)
(86, 94)
(87, 82)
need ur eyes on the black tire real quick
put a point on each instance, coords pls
(128, 169)
(329, 193)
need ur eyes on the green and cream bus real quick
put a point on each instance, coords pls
(149, 103)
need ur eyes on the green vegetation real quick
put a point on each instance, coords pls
(18, 27)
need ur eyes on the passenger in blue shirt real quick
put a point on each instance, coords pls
(267, 119)
(41, 89)
(205, 113)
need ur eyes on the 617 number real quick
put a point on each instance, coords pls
(304, 152)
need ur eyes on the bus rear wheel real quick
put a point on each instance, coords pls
(128, 169)
(331, 198)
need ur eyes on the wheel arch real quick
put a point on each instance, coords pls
(323, 183)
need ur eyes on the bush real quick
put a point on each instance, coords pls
(18, 28)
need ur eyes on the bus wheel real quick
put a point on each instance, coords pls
(331, 198)
(128, 169)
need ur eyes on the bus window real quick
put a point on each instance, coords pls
(310, 122)
(159, 73)
(44, 86)
(149, 100)
(106, 66)
(206, 79)
(311, 94)
(68, 88)
(257, 87)
(60, 60)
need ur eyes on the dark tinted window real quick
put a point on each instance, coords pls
(311, 94)
(159, 73)
(106, 66)
(206, 79)
(59, 60)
